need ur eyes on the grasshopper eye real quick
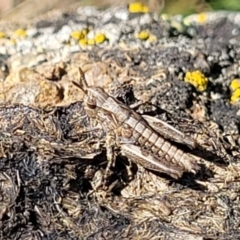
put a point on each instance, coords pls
(91, 103)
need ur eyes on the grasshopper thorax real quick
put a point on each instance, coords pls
(96, 96)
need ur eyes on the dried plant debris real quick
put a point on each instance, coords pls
(50, 171)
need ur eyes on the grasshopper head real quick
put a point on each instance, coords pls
(94, 96)
(98, 103)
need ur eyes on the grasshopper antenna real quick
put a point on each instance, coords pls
(83, 83)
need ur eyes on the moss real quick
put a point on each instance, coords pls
(197, 79)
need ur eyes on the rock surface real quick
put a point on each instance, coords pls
(185, 71)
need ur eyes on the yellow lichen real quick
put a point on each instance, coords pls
(20, 33)
(138, 7)
(13, 41)
(235, 96)
(235, 89)
(152, 38)
(202, 18)
(2, 35)
(91, 41)
(83, 42)
(99, 38)
(143, 35)
(197, 79)
(77, 35)
(235, 84)
(85, 31)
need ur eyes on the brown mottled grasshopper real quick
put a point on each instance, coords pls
(140, 138)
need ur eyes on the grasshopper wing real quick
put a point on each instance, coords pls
(169, 132)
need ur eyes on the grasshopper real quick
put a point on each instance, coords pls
(143, 139)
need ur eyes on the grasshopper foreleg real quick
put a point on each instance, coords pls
(111, 155)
